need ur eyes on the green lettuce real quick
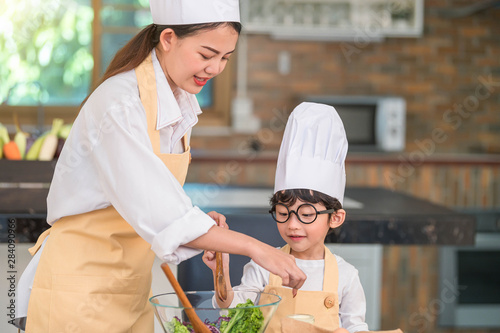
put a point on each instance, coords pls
(244, 321)
(176, 326)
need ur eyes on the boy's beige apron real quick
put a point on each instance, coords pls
(323, 305)
(94, 274)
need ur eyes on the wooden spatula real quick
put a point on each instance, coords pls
(198, 325)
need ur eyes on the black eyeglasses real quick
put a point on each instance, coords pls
(306, 213)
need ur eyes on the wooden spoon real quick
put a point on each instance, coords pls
(220, 281)
(198, 325)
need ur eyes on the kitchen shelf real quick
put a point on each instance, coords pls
(333, 20)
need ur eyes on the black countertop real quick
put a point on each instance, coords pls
(374, 215)
(389, 217)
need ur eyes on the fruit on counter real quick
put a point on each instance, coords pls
(10, 149)
(60, 146)
(4, 138)
(64, 131)
(29, 142)
(20, 138)
(1, 148)
(34, 151)
(24, 146)
(62, 136)
(49, 145)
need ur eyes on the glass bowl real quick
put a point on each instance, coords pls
(244, 318)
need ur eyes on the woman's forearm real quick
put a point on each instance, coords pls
(264, 255)
(225, 240)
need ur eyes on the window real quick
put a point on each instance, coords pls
(54, 51)
(46, 52)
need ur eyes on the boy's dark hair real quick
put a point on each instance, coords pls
(288, 197)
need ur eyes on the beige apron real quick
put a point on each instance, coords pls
(323, 305)
(94, 274)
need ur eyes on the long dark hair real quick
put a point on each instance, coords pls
(139, 47)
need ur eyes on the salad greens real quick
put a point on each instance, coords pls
(243, 321)
(176, 326)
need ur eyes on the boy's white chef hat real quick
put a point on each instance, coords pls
(313, 151)
(176, 12)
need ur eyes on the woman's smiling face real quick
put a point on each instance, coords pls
(188, 63)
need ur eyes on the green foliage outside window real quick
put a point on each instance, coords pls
(45, 47)
(45, 51)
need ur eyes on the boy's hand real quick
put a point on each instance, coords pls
(209, 259)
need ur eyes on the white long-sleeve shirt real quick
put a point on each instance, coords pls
(352, 302)
(108, 160)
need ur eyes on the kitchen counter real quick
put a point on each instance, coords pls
(374, 215)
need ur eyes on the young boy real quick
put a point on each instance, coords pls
(307, 203)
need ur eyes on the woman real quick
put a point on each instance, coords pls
(116, 198)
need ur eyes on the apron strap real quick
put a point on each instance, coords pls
(331, 276)
(39, 242)
(146, 81)
(147, 89)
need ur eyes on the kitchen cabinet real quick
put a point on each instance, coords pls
(361, 20)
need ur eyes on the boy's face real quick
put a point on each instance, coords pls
(307, 240)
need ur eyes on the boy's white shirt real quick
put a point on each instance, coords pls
(352, 300)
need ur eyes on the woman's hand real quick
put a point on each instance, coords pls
(209, 256)
(218, 262)
(281, 264)
(270, 258)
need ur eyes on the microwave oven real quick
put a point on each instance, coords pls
(372, 123)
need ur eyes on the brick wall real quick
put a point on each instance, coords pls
(443, 76)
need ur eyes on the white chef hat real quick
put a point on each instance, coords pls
(313, 151)
(175, 12)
